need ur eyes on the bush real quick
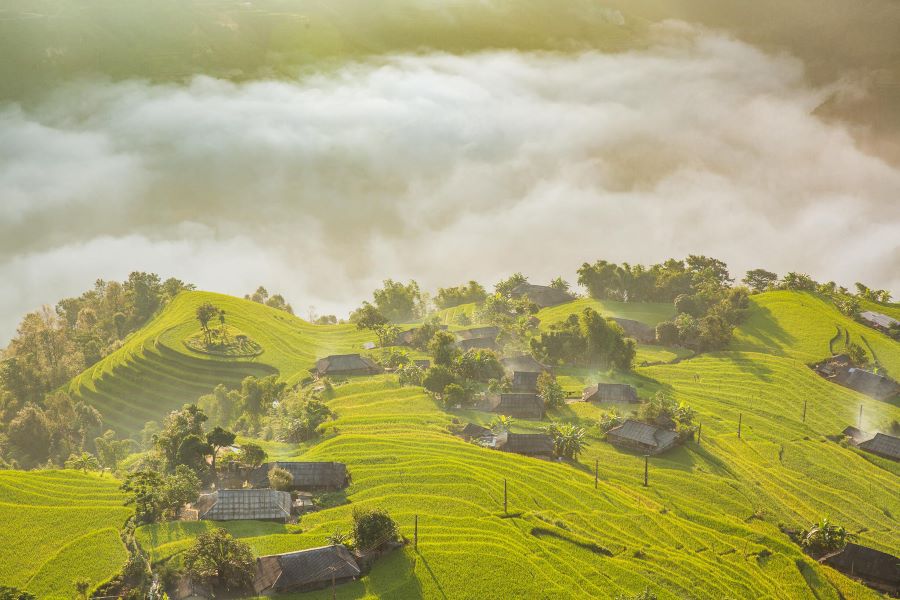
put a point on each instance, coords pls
(437, 378)
(455, 394)
(280, 479)
(667, 333)
(220, 560)
(550, 391)
(823, 538)
(372, 529)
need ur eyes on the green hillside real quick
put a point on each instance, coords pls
(650, 313)
(155, 372)
(58, 526)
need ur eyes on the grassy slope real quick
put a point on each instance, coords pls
(650, 313)
(58, 526)
(155, 372)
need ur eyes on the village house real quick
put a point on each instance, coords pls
(306, 475)
(528, 444)
(878, 320)
(610, 392)
(523, 371)
(305, 570)
(520, 405)
(641, 332)
(855, 435)
(345, 365)
(879, 570)
(542, 295)
(641, 437)
(244, 504)
(474, 432)
(838, 369)
(886, 446)
(477, 338)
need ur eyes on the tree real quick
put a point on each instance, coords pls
(410, 374)
(443, 348)
(667, 333)
(501, 423)
(857, 354)
(192, 452)
(372, 529)
(504, 287)
(454, 395)
(760, 280)
(206, 312)
(178, 489)
(462, 294)
(603, 280)
(437, 378)
(550, 391)
(220, 560)
(478, 365)
(847, 304)
(28, 436)
(83, 462)
(178, 425)
(219, 438)
(799, 282)
(280, 479)
(560, 284)
(141, 489)
(569, 440)
(691, 305)
(368, 317)
(398, 302)
(110, 450)
(253, 455)
(11, 593)
(824, 537)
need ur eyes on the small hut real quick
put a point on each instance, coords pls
(542, 295)
(474, 432)
(883, 445)
(838, 369)
(405, 338)
(524, 371)
(878, 570)
(855, 435)
(478, 332)
(529, 444)
(233, 505)
(305, 570)
(878, 320)
(610, 392)
(307, 475)
(520, 406)
(346, 365)
(641, 332)
(641, 437)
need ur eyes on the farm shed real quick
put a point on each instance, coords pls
(307, 475)
(231, 505)
(878, 570)
(484, 343)
(884, 445)
(473, 432)
(610, 392)
(188, 589)
(838, 369)
(542, 295)
(305, 570)
(641, 437)
(523, 371)
(878, 320)
(477, 333)
(856, 435)
(346, 365)
(529, 444)
(637, 330)
(520, 406)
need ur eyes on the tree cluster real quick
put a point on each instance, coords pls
(461, 294)
(277, 301)
(588, 340)
(456, 375)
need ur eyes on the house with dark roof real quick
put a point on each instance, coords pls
(878, 320)
(641, 437)
(305, 570)
(244, 504)
(879, 570)
(840, 370)
(855, 435)
(542, 295)
(306, 475)
(405, 338)
(883, 445)
(610, 392)
(474, 432)
(635, 329)
(520, 405)
(346, 365)
(523, 371)
(477, 332)
(485, 343)
(529, 444)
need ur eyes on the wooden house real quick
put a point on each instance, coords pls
(474, 432)
(641, 332)
(304, 570)
(610, 392)
(542, 295)
(523, 371)
(878, 320)
(346, 365)
(306, 475)
(520, 406)
(879, 570)
(883, 445)
(529, 444)
(641, 437)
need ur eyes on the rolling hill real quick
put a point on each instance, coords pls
(708, 526)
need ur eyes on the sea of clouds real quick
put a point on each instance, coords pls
(441, 168)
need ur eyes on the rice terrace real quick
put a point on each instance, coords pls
(449, 300)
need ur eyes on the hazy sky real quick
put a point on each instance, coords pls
(442, 168)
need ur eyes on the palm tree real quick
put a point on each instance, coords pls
(824, 537)
(84, 462)
(501, 423)
(568, 440)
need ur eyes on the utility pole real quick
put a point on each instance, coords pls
(699, 432)
(504, 497)
(646, 469)
(859, 424)
(804, 411)
(596, 472)
(416, 533)
(740, 420)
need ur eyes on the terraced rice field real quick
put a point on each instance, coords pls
(155, 372)
(58, 526)
(650, 313)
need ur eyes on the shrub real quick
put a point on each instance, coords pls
(824, 537)
(220, 560)
(281, 479)
(372, 529)
(550, 391)
(437, 378)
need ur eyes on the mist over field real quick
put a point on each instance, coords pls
(442, 167)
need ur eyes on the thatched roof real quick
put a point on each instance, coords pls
(637, 330)
(346, 364)
(610, 392)
(635, 434)
(880, 569)
(531, 444)
(478, 332)
(306, 474)
(884, 445)
(542, 295)
(524, 363)
(879, 319)
(230, 505)
(306, 569)
(520, 405)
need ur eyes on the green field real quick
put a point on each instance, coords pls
(58, 526)
(702, 529)
(650, 313)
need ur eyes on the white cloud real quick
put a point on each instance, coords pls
(442, 168)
